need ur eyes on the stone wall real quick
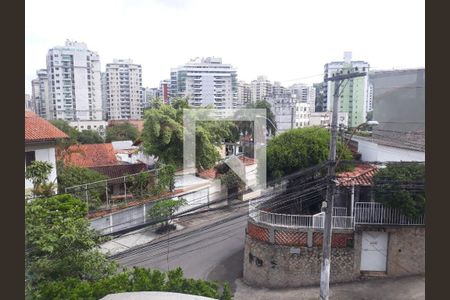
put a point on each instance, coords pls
(279, 257)
(278, 266)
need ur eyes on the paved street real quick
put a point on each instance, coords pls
(213, 253)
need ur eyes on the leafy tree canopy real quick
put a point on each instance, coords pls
(401, 186)
(164, 209)
(89, 137)
(163, 135)
(63, 262)
(37, 172)
(299, 148)
(270, 122)
(121, 132)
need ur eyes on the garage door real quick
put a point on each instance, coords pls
(374, 251)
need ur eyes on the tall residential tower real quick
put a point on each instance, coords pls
(205, 81)
(74, 83)
(124, 96)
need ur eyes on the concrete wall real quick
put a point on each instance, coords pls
(137, 215)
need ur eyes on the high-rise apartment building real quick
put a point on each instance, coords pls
(304, 93)
(164, 88)
(124, 99)
(104, 96)
(261, 89)
(205, 81)
(354, 92)
(74, 82)
(41, 95)
(244, 94)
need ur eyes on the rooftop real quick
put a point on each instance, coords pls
(362, 175)
(90, 155)
(39, 130)
(116, 171)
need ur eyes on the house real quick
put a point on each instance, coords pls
(127, 151)
(102, 158)
(40, 143)
(368, 239)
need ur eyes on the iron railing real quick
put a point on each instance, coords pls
(378, 213)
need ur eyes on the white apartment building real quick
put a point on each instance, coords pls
(244, 94)
(40, 94)
(74, 82)
(323, 119)
(104, 99)
(98, 126)
(369, 104)
(124, 98)
(302, 114)
(205, 81)
(304, 93)
(261, 89)
(289, 113)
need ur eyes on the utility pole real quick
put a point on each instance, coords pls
(337, 78)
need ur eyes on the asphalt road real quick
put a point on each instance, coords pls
(212, 253)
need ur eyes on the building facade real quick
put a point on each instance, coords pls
(98, 126)
(355, 92)
(205, 81)
(41, 95)
(124, 99)
(261, 89)
(304, 93)
(74, 82)
(244, 94)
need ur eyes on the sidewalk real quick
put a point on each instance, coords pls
(146, 235)
(405, 288)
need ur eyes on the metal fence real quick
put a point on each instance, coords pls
(378, 213)
(304, 221)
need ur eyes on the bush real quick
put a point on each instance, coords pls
(401, 186)
(163, 210)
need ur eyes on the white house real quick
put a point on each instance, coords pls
(40, 141)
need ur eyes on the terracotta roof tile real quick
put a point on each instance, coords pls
(90, 155)
(115, 171)
(362, 175)
(38, 130)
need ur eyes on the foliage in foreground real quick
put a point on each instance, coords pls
(37, 172)
(401, 186)
(63, 261)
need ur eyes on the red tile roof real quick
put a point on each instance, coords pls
(209, 173)
(90, 155)
(362, 175)
(40, 130)
(115, 171)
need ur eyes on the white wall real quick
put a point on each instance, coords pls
(371, 151)
(46, 153)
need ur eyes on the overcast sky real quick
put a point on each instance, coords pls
(288, 41)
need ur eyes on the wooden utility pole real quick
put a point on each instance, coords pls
(337, 78)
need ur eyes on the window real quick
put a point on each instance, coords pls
(30, 156)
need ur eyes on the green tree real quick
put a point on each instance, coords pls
(163, 210)
(121, 132)
(89, 137)
(137, 279)
(165, 180)
(60, 242)
(163, 135)
(270, 122)
(401, 186)
(300, 148)
(70, 176)
(37, 172)
(67, 129)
